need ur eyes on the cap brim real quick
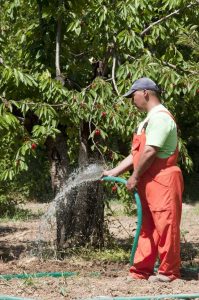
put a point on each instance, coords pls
(128, 94)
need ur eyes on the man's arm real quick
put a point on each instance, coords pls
(145, 161)
(125, 165)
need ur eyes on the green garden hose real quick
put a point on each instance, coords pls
(169, 296)
(2, 297)
(37, 275)
(139, 215)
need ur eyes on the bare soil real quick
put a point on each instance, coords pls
(94, 277)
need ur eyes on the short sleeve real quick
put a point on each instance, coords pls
(158, 130)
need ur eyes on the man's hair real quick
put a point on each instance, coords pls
(154, 93)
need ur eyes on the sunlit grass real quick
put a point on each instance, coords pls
(114, 254)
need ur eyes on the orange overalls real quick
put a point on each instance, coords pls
(160, 189)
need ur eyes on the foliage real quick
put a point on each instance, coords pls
(104, 47)
(118, 191)
(31, 185)
(8, 204)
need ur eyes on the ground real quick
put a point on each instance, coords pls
(97, 276)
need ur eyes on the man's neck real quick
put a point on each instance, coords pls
(153, 101)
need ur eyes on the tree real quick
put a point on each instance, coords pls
(65, 65)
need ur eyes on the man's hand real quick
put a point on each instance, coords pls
(145, 161)
(132, 183)
(109, 173)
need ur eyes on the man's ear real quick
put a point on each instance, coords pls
(146, 95)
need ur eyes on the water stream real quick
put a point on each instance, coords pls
(48, 229)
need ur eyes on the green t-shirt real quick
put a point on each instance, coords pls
(161, 131)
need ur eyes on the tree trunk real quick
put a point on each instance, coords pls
(80, 219)
(57, 154)
(80, 214)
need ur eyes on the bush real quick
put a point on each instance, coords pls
(8, 204)
(31, 185)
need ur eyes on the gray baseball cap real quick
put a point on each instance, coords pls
(143, 83)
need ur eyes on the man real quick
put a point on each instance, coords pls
(160, 185)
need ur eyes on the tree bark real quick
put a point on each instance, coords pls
(80, 219)
(57, 154)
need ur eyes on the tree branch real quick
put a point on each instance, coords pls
(167, 17)
(113, 76)
(41, 24)
(1, 61)
(177, 68)
(58, 42)
(90, 131)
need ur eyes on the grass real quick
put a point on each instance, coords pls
(113, 252)
(21, 214)
(29, 282)
(196, 209)
(113, 255)
(116, 212)
(118, 208)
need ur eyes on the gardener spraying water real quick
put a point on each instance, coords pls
(160, 185)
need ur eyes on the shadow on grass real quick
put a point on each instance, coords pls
(8, 251)
(11, 252)
(4, 230)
